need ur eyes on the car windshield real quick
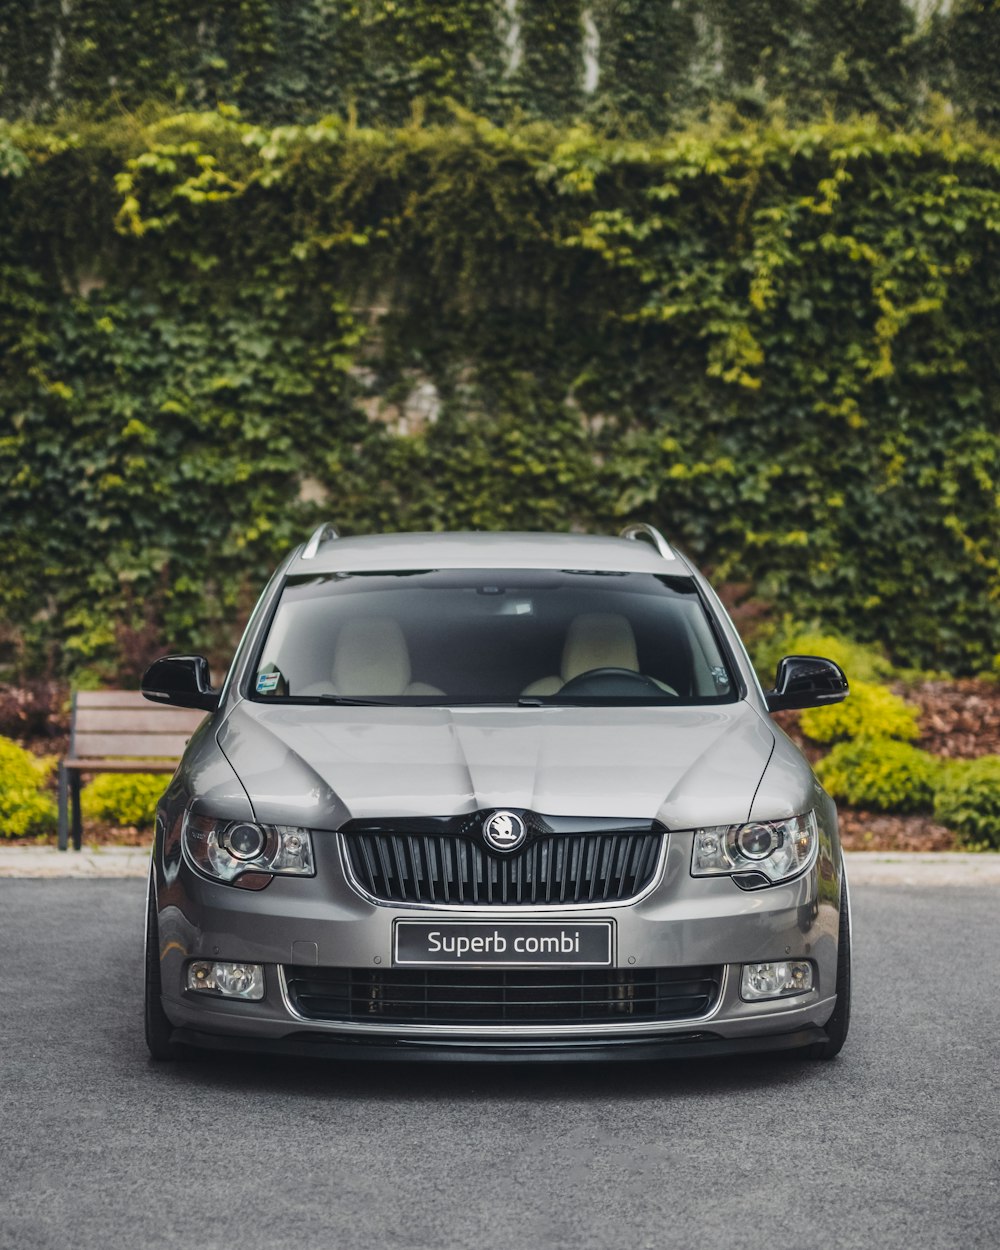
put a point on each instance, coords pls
(488, 636)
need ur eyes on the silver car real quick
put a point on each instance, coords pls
(493, 795)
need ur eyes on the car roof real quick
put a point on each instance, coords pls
(458, 550)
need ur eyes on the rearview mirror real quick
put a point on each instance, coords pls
(181, 680)
(806, 681)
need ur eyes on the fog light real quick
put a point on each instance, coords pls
(776, 980)
(226, 980)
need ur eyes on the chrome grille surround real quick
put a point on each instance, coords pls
(444, 862)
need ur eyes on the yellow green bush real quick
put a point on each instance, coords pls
(881, 773)
(25, 808)
(123, 798)
(967, 800)
(870, 711)
(860, 661)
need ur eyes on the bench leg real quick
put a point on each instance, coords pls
(63, 807)
(74, 787)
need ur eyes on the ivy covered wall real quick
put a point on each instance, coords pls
(636, 65)
(777, 342)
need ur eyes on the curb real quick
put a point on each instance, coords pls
(864, 868)
(916, 868)
(49, 861)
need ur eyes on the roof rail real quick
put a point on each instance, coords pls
(319, 535)
(639, 529)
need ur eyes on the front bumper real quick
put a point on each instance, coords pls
(323, 921)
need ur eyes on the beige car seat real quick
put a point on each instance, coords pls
(593, 640)
(371, 658)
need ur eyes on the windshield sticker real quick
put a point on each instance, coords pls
(267, 682)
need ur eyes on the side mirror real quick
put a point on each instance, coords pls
(182, 680)
(806, 681)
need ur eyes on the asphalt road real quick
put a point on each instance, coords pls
(894, 1144)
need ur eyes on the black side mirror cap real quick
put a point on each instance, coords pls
(180, 680)
(806, 681)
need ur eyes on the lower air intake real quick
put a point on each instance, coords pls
(491, 996)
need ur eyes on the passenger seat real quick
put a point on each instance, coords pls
(371, 658)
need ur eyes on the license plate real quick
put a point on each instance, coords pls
(484, 942)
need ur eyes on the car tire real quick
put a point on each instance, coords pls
(158, 1027)
(836, 1027)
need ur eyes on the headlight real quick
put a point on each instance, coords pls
(228, 849)
(757, 854)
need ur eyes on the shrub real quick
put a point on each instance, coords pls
(24, 807)
(33, 709)
(860, 661)
(968, 800)
(123, 798)
(881, 773)
(869, 711)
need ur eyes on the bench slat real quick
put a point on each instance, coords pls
(122, 766)
(111, 698)
(102, 745)
(151, 720)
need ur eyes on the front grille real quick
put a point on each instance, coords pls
(421, 864)
(509, 996)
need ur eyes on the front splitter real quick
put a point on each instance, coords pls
(695, 1045)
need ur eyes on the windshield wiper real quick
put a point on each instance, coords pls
(593, 700)
(345, 700)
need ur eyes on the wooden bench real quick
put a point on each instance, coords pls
(118, 731)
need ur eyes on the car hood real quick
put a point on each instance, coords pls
(320, 766)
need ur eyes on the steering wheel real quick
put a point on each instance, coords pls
(608, 682)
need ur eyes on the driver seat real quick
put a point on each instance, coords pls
(593, 640)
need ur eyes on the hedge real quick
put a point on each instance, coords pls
(777, 343)
(635, 63)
